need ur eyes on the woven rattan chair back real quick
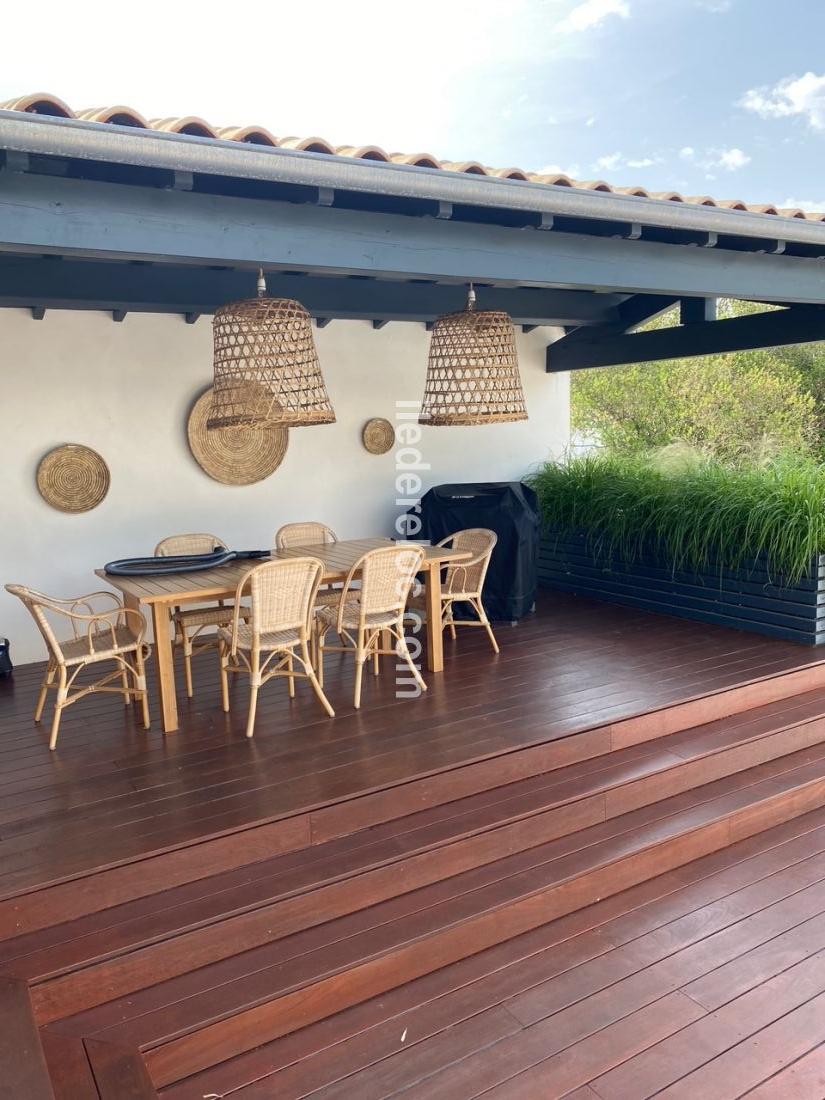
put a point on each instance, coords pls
(191, 626)
(283, 594)
(370, 620)
(304, 534)
(277, 635)
(37, 604)
(188, 544)
(386, 577)
(469, 577)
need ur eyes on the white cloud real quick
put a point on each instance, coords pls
(715, 7)
(556, 170)
(730, 159)
(591, 121)
(609, 163)
(591, 13)
(802, 96)
(808, 205)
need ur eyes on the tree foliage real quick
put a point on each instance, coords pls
(739, 406)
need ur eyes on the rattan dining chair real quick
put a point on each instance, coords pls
(191, 622)
(281, 613)
(99, 633)
(308, 533)
(464, 580)
(365, 615)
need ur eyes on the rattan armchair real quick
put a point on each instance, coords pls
(366, 616)
(103, 629)
(281, 612)
(464, 580)
(191, 622)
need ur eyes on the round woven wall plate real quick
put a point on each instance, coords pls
(234, 456)
(378, 436)
(73, 478)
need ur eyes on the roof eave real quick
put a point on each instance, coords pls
(76, 138)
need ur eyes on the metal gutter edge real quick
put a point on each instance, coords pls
(64, 137)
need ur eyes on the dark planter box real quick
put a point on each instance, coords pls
(750, 598)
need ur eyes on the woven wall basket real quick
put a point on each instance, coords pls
(378, 436)
(73, 478)
(234, 456)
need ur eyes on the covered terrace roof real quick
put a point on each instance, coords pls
(104, 212)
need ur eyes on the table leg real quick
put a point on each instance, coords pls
(164, 662)
(435, 637)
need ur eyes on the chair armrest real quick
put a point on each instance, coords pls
(92, 598)
(109, 621)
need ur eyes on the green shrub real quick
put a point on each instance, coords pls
(693, 512)
(733, 406)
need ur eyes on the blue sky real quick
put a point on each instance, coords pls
(720, 97)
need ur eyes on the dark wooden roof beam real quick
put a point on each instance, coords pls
(776, 328)
(169, 288)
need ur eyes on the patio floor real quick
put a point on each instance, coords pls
(112, 791)
(404, 899)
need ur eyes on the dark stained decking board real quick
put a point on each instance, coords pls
(113, 792)
(199, 914)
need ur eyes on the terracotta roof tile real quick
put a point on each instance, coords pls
(39, 103)
(44, 104)
(363, 152)
(190, 124)
(116, 116)
(252, 135)
(307, 145)
(418, 160)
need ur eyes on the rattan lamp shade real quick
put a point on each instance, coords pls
(268, 342)
(472, 371)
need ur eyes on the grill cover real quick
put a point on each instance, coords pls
(511, 510)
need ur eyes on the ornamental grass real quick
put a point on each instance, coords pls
(692, 515)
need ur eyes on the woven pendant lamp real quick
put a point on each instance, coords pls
(472, 370)
(266, 367)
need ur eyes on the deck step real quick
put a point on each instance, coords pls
(154, 820)
(292, 892)
(184, 1024)
(87, 961)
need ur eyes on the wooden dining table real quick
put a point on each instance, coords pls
(162, 594)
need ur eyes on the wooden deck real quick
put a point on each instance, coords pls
(404, 900)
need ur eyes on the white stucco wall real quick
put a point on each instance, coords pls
(126, 389)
